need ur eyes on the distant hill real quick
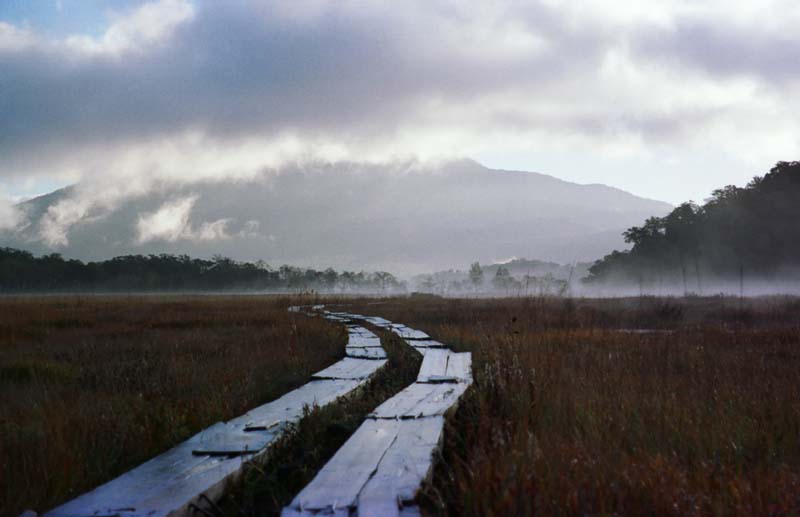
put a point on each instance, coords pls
(403, 218)
(741, 234)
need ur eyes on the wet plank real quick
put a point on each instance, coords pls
(421, 400)
(434, 365)
(234, 438)
(459, 366)
(337, 485)
(350, 368)
(366, 352)
(289, 407)
(157, 487)
(403, 467)
(427, 343)
(362, 333)
(377, 321)
(363, 341)
(409, 333)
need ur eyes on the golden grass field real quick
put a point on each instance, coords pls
(570, 413)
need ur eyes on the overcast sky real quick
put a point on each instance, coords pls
(666, 99)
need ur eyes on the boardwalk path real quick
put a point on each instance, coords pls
(195, 472)
(376, 472)
(379, 470)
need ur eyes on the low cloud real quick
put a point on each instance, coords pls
(10, 216)
(172, 222)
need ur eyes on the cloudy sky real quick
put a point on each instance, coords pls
(666, 99)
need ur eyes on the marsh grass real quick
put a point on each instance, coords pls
(92, 386)
(569, 415)
(622, 406)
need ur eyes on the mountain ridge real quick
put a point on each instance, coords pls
(408, 217)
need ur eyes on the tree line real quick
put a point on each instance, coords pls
(21, 271)
(752, 230)
(503, 281)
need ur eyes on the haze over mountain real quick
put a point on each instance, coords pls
(406, 218)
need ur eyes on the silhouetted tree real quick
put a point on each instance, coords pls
(753, 229)
(476, 275)
(21, 271)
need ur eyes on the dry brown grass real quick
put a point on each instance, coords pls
(568, 414)
(571, 416)
(92, 386)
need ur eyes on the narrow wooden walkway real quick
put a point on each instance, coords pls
(379, 470)
(195, 472)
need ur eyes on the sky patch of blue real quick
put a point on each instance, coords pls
(59, 18)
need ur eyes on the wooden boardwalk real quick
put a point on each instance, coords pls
(195, 472)
(379, 470)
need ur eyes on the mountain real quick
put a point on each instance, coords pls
(405, 218)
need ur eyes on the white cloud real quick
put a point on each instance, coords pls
(171, 222)
(15, 39)
(145, 26)
(176, 92)
(10, 216)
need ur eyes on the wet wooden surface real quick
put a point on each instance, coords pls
(379, 470)
(350, 368)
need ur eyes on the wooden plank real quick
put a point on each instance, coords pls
(427, 343)
(231, 439)
(350, 368)
(291, 512)
(421, 400)
(156, 487)
(379, 470)
(209, 479)
(337, 485)
(403, 468)
(361, 341)
(290, 407)
(459, 366)
(362, 333)
(366, 352)
(377, 321)
(434, 363)
(410, 334)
